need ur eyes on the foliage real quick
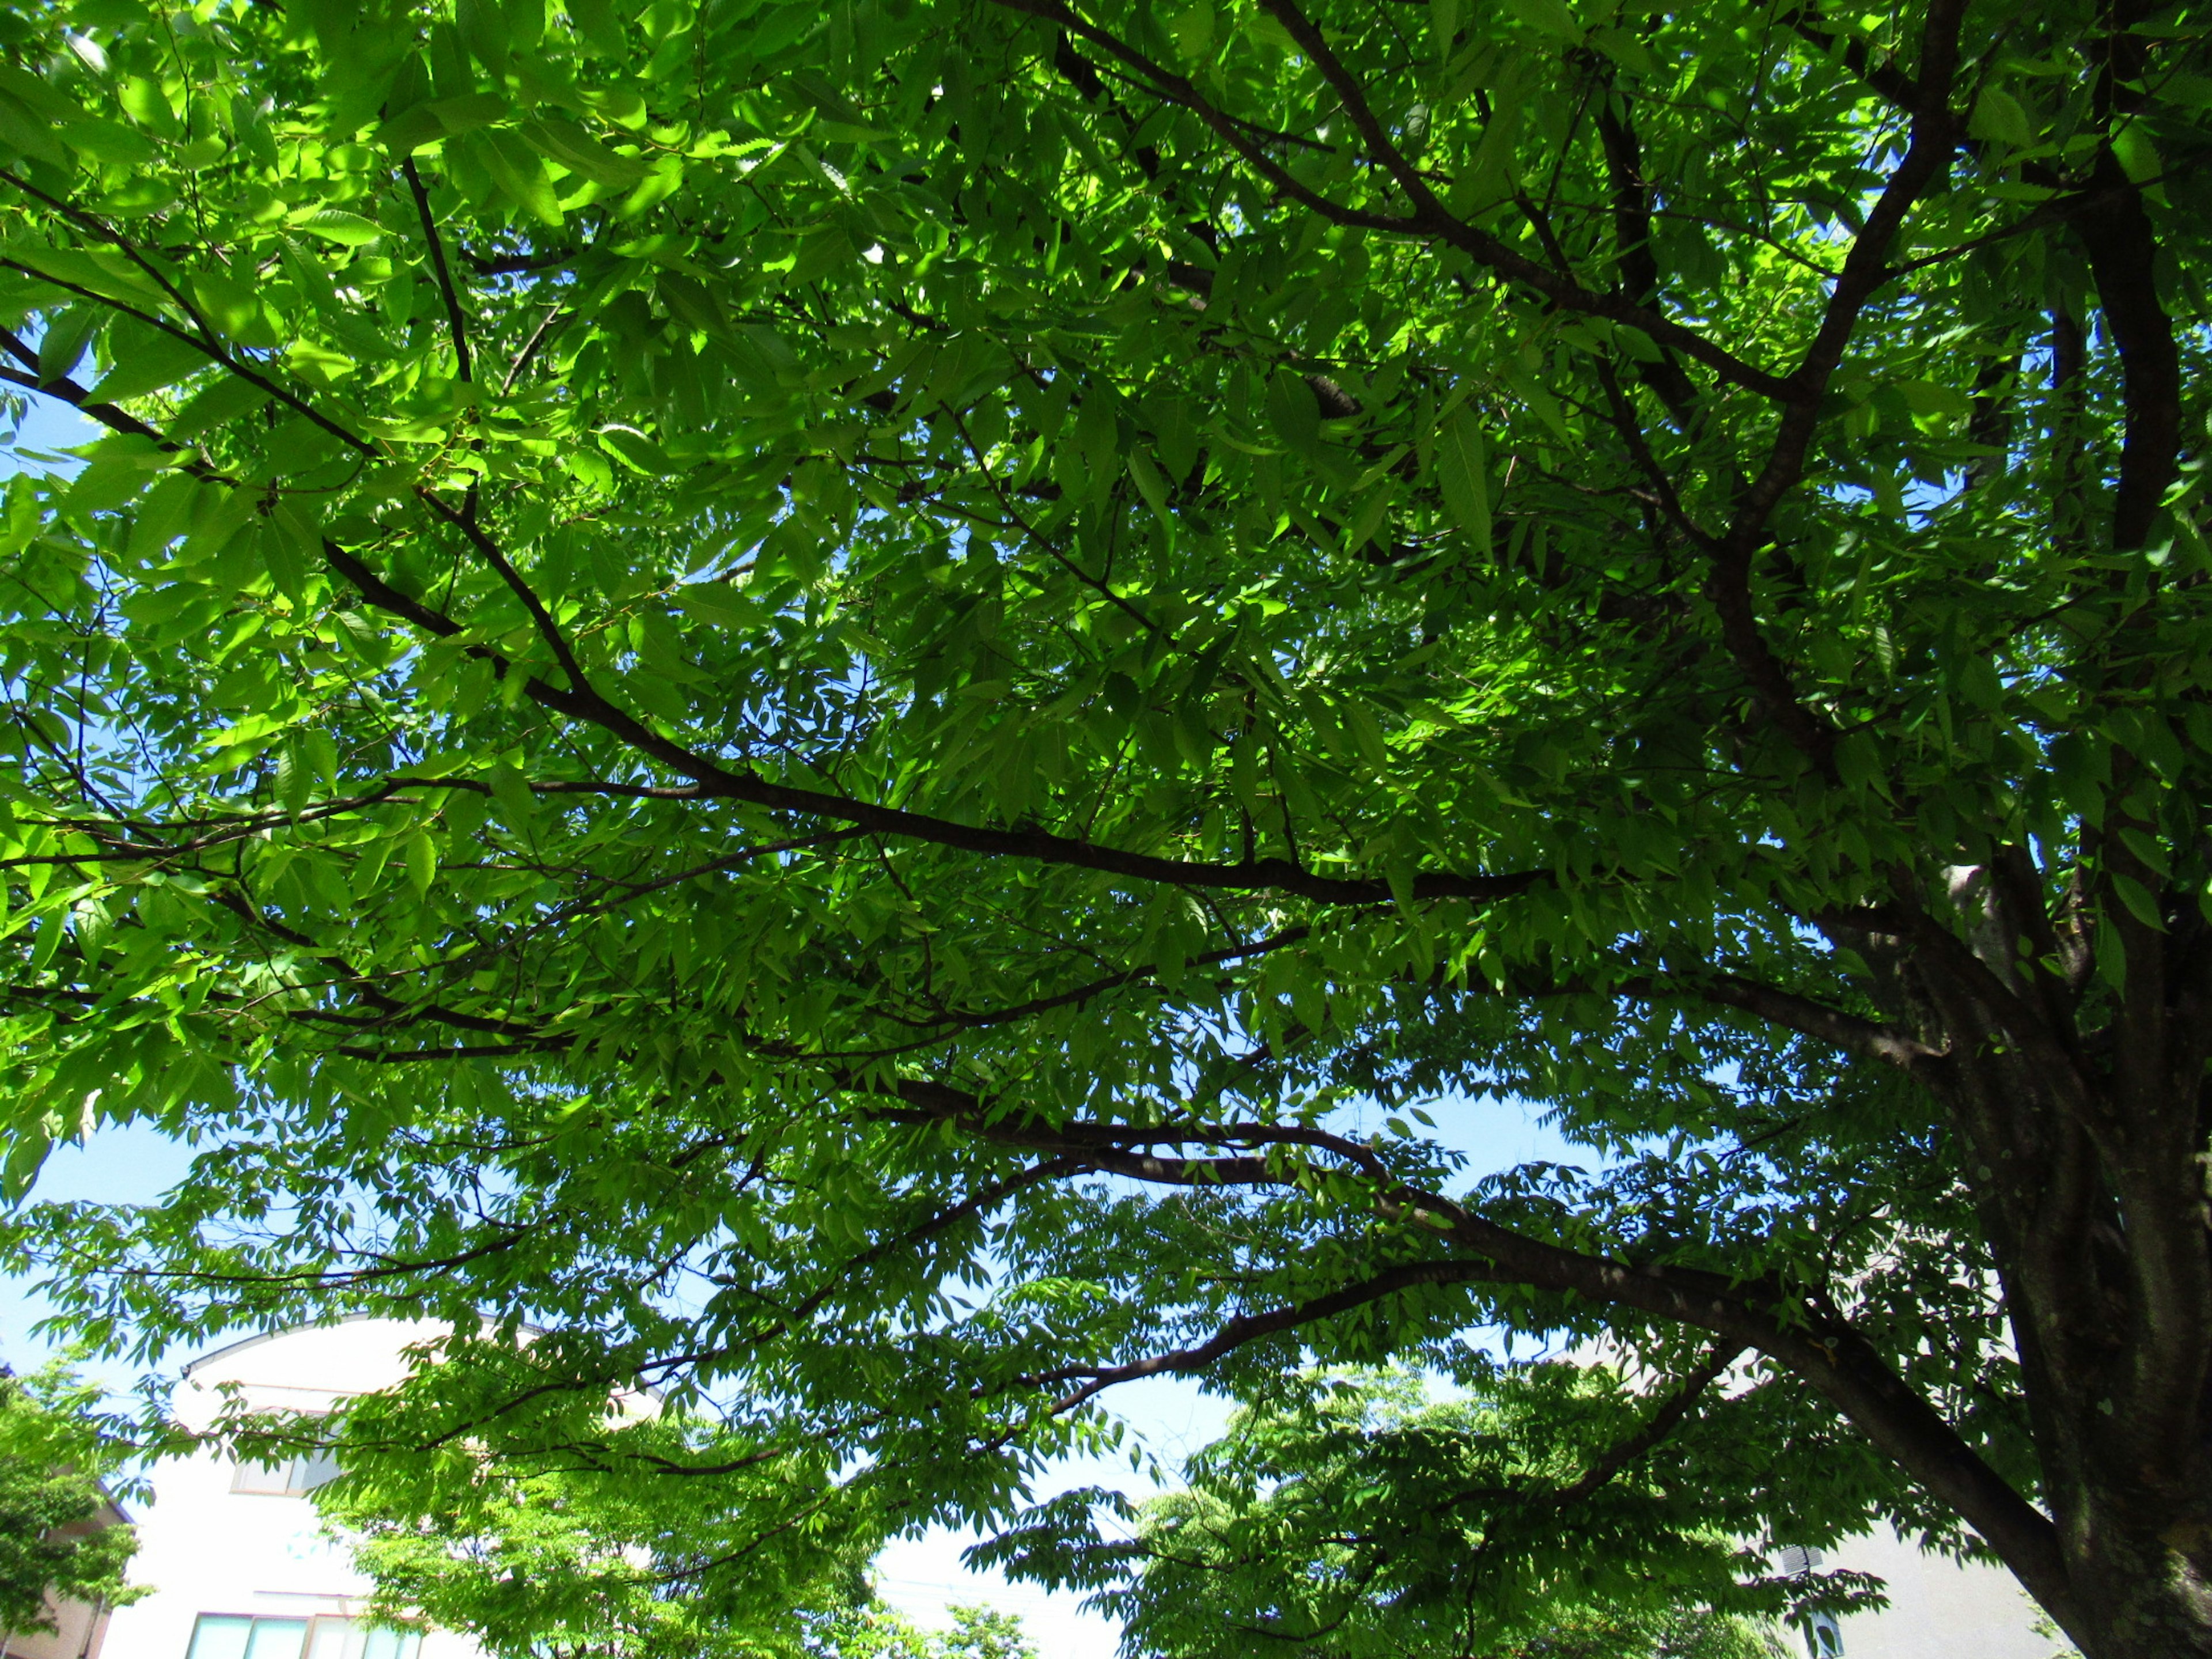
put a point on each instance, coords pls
(580, 1552)
(53, 1543)
(895, 709)
(1545, 1517)
(871, 1631)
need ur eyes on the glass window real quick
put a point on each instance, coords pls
(292, 1478)
(219, 1636)
(1796, 1560)
(270, 1478)
(354, 1638)
(277, 1639)
(239, 1636)
(389, 1642)
(315, 1468)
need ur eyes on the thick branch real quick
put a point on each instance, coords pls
(1247, 1328)
(2123, 253)
(1822, 1350)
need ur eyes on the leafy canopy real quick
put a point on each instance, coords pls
(893, 710)
(570, 1552)
(1361, 1518)
(61, 1539)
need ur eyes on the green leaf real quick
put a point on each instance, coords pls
(520, 174)
(1463, 467)
(42, 100)
(336, 225)
(2139, 158)
(1293, 411)
(1998, 115)
(581, 154)
(107, 141)
(1150, 484)
(294, 778)
(147, 361)
(24, 132)
(293, 547)
(1552, 17)
(599, 26)
(1098, 438)
(482, 26)
(234, 307)
(420, 853)
(1193, 29)
(2139, 901)
(636, 451)
(222, 400)
(280, 553)
(716, 602)
(695, 303)
(511, 789)
(426, 124)
(103, 271)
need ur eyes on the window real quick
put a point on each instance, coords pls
(1796, 1560)
(237, 1635)
(355, 1638)
(242, 1636)
(293, 1477)
(1823, 1637)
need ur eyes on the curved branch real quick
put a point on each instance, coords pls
(1247, 1328)
(1812, 1342)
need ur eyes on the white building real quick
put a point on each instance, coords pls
(1938, 1608)
(237, 1553)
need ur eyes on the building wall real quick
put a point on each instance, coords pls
(207, 1549)
(79, 1627)
(1939, 1609)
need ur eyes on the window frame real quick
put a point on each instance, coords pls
(311, 1626)
(348, 1622)
(293, 1469)
(305, 1621)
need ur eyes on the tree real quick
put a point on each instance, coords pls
(871, 1631)
(52, 1462)
(565, 1553)
(1544, 1517)
(874, 705)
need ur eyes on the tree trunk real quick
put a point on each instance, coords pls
(2082, 1141)
(2142, 1597)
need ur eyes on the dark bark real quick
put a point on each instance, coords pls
(2082, 1147)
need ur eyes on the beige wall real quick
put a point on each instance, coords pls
(1939, 1609)
(78, 1632)
(79, 1627)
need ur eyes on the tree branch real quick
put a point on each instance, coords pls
(1484, 249)
(1819, 1348)
(1927, 156)
(456, 319)
(1247, 1328)
(1663, 1422)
